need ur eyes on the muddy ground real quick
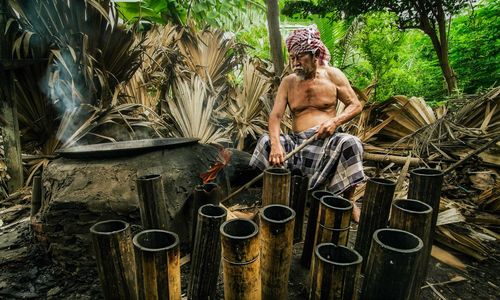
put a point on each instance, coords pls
(27, 272)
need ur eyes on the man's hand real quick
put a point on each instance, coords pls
(327, 129)
(277, 155)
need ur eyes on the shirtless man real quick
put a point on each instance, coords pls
(312, 92)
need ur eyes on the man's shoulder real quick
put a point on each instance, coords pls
(335, 74)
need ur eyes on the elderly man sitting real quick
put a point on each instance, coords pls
(311, 92)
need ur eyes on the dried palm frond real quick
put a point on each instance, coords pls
(191, 109)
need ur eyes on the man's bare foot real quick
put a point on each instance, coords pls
(356, 212)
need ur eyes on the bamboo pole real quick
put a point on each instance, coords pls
(115, 259)
(298, 200)
(208, 193)
(335, 273)
(391, 265)
(152, 204)
(276, 241)
(36, 195)
(415, 217)
(158, 269)
(276, 186)
(334, 221)
(307, 250)
(241, 260)
(374, 212)
(205, 260)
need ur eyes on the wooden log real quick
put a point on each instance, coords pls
(115, 259)
(276, 241)
(209, 193)
(158, 269)
(36, 195)
(415, 217)
(334, 221)
(298, 200)
(400, 160)
(307, 250)
(241, 260)
(205, 260)
(276, 186)
(335, 273)
(152, 205)
(391, 265)
(374, 213)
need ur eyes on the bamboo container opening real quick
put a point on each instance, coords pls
(337, 255)
(426, 172)
(336, 202)
(239, 229)
(277, 171)
(156, 240)
(212, 211)
(109, 227)
(382, 181)
(397, 240)
(412, 206)
(277, 213)
(321, 193)
(149, 177)
(207, 187)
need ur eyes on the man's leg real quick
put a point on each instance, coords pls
(349, 195)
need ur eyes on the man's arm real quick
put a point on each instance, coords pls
(346, 95)
(277, 154)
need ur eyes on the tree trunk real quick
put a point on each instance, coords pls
(273, 24)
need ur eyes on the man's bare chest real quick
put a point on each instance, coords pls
(318, 93)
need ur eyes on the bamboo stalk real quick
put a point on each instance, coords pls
(36, 195)
(208, 193)
(391, 265)
(298, 200)
(307, 250)
(374, 212)
(334, 221)
(205, 261)
(276, 241)
(115, 259)
(158, 269)
(415, 217)
(335, 273)
(241, 260)
(153, 208)
(276, 186)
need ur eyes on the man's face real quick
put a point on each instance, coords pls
(303, 63)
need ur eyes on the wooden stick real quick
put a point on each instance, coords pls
(475, 152)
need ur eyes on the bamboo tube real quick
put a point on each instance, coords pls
(158, 269)
(334, 221)
(208, 193)
(298, 200)
(415, 217)
(276, 240)
(307, 250)
(374, 213)
(205, 260)
(335, 273)
(152, 204)
(115, 259)
(392, 264)
(241, 260)
(276, 186)
(36, 195)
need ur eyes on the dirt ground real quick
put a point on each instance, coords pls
(28, 273)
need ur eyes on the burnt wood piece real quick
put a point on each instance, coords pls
(36, 195)
(205, 258)
(307, 250)
(276, 241)
(241, 260)
(276, 186)
(333, 221)
(391, 265)
(208, 193)
(158, 269)
(115, 259)
(152, 205)
(374, 213)
(415, 217)
(335, 273)
(298, 200)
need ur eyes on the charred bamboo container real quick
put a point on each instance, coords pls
(298, 200)
(115, 259)
(208, 193)
(241, 260)
(36, 195)
(276, 241)
(276, 186)
(335, 273)
(392, 264)
(415, 217)
(158, 269)
(333, 221)
(374, 213)
(205, 258)
(152, 204)
(307, 250)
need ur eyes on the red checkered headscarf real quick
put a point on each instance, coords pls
(308, 39)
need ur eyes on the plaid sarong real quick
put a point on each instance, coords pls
(338, 158)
